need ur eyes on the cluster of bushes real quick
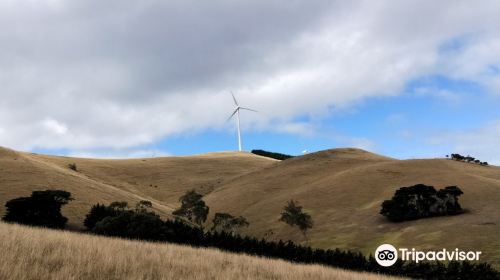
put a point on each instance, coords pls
(117, 220)
(277, 156)
(421, 201)
(468, 159)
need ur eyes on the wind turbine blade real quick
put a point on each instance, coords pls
(248, 109)
(234, 98)
(232, 115)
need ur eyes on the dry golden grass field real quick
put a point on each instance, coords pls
(160, 180)
(342, 189)
(34, 253)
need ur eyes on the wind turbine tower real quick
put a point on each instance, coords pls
(237, 113)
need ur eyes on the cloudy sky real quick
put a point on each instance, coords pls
(146, 78)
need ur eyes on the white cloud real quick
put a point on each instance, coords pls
(304, 129)
(450, 97)
(108, 75)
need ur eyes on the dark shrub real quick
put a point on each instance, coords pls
(145, 225)
(131, 224)
(72, 166)
(116, 220)
(97, 213)
(113, 225)
(42, 208)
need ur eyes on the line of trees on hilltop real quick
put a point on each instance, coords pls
(277, 156)
(469, 159)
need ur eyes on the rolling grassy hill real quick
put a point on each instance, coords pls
(342, 189)
(34, 253)
(160, 180)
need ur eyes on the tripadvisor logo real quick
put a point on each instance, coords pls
(387, 255)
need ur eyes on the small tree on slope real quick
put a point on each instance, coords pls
(292, 215)
(193, 208)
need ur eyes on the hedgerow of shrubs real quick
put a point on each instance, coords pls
(277, 156)
(145, 225)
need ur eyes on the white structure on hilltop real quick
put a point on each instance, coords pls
(237, 113)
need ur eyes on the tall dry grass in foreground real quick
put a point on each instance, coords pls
(33, 253)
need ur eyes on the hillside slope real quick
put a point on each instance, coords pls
(343, 189)
(33, 253)
(160, 180)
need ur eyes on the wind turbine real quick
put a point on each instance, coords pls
(237, 113)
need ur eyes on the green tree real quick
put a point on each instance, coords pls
(294, 216)
(224, 222)
(193, 208)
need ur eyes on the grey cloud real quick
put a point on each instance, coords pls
(155, 46)
(96, 74)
